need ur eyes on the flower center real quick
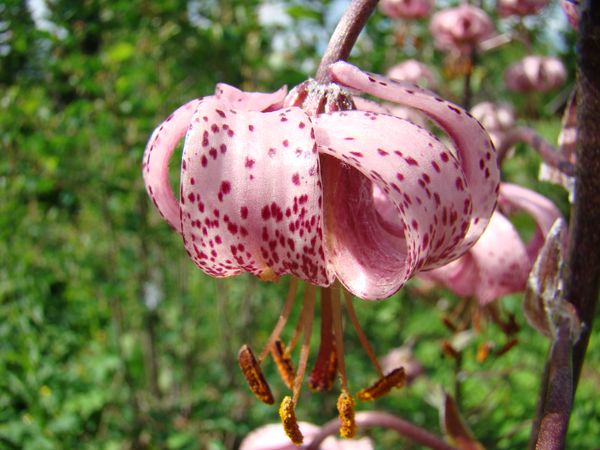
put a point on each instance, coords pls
(329, 362)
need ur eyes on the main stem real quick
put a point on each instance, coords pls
(345, 35)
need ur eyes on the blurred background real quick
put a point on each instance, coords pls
(110, 337)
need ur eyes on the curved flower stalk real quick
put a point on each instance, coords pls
(413, 71)
(535, 73)
(272, 437)
(520, 7)
(275, 185)
(497, 118)
(460, 29)
(406, 9)
(500, 262)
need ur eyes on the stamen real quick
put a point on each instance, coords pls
(339, 336)
(289, 421)
(254, 376)
(284, 363)
(360, 333)
(345, 407)
(323, 374)
(483, 351)
(396, 378)
(283, 317)
(307, 315)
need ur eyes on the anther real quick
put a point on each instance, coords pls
(345, 407)
(483, 351)
(449, 350)
(254, 376)
(284, 363)
(289, 421)
(396, 378)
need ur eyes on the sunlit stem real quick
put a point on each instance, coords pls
(308, 312)
(360, 333)
(339, 335)
(283, 317)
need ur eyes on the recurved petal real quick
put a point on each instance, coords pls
(543, 211)
(474, 149)
(251, 194)
(250, 101)
(155, 167)
(419, 176)
(501, 260)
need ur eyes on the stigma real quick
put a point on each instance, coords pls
(329, 365)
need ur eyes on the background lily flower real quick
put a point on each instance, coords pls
(571, 9)
(497, 118)
(520, 7)
(272, 437)
(535, 73)
(275, 191)
(413, 71)
(461, 28)
(406, 9)
(500, 262)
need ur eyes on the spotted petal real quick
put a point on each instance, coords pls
(474, 150)
(251, 194)
(155, 167)
(416, 172)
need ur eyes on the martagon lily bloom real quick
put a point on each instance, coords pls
(406, 9)
(271, 189)
(520, 7)
(535, 73)
(460, 29)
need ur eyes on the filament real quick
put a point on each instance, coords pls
(308, 310)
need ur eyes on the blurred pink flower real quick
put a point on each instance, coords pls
(571, 9)
(461, 28)
(272, 437)
(497, 118)
(500, 262)
(406, 9)
(413, 71)
(535, 73)
(520, 7)
(271, 190)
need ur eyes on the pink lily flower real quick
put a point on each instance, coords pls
(461, 28)
(535, 73)
(500, 262)
(497, 118)
(271, 190)
(406, 9)
(520, 7)
(272, 437)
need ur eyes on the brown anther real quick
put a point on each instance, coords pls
(345, 407)
(254, 376)
(449, 324)
(396, 378)
(449, 350)
(289, 421)
(284, 363)
(483, 351)
(506, 347)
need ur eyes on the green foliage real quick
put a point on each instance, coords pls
(86, 359)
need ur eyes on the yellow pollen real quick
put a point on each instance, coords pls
(289, 421)
(254, 376)
(345, 407)
(396, 378)
(268, 274)
(483, 351)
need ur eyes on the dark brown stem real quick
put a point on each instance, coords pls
(548, 152)
(373, 419)
(345, 35)
(549, 430)
(583, 258)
